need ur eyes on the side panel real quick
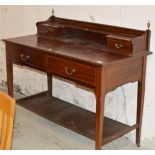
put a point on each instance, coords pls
(123, 72)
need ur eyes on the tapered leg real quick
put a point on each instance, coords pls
(9, 67)
(140, 103)
(100, 97)
(49, 82)
(99, 122)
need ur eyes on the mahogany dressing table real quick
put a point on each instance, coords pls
(96, 56)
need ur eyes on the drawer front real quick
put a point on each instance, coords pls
(46, 30)
(72, 70)
(119, 45)
(28, 57)
(52, 31)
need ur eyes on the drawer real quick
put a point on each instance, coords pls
(119, 45)
(28, 57)
(71, 70)
(52, 31)
(45, 30)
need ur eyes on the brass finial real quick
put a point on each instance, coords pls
(148, 24)
(52, 12)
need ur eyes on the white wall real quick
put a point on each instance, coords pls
(121, 103)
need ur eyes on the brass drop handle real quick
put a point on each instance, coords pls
(118, 45)
(44, 31)
(24, 58)
(69, 73)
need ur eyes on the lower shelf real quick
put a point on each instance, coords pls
(72, 117)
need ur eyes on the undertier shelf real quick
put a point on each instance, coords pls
(73, 117)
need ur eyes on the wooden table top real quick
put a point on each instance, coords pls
(85, 51)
